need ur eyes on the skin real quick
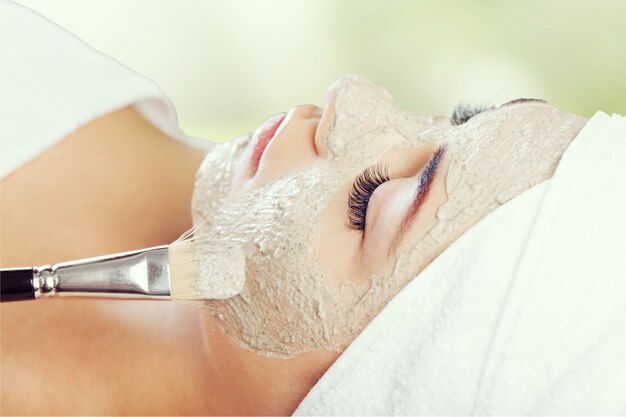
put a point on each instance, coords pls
(137, 357)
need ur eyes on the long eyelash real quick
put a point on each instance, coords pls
(463, 112)
(361, 192)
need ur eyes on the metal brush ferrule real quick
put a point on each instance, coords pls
(142, 273)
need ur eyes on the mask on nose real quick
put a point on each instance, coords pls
(288, 305)
(367, 123)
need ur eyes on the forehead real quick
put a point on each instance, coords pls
(362, 137)
(516, 110)
(367, 122)
(510, 122)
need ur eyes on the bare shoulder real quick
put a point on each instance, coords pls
(115, 183)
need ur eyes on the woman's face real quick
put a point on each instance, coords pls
(337, 209)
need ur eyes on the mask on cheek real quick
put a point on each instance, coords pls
(287, 305)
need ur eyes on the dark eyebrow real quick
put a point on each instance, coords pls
(423, 188)
(463, 112)
(523, 100)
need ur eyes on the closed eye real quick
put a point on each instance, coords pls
(421, 193)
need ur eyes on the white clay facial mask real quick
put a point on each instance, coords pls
(295, 297)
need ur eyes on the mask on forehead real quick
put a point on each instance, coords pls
(288, 304)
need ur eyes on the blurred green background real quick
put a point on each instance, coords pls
(227, 65)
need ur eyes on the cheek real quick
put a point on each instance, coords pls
(339, 245)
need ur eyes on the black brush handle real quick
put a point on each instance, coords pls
(16, 284)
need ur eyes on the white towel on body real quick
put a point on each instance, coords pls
(52, 83)
(523, 314)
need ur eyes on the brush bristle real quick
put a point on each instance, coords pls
(184, 269)
(205, 269)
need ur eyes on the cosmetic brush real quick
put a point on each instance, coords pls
(188, 269)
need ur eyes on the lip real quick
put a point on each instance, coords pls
(262, 136)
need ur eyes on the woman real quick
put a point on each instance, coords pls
(337, 212)
(100, 341)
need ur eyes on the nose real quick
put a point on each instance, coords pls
(328, 117)
(305, 111)
(293, 145)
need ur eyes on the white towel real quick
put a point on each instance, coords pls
(523, 314)
(52, 83)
